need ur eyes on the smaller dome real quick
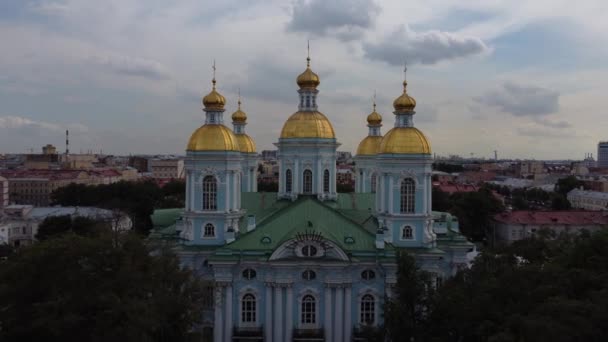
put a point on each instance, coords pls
(308, 125)
(374, 118)
(239, 116)
(213, 138)
(404, 103)
(214, 100)
(405, 140)
(369, 145)
(308, 79)
(246, 143)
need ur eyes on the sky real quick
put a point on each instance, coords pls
(525, 78)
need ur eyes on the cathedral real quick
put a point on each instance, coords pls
(306, 263)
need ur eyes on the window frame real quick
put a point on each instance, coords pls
(308, 311)
(367, 310)
(405, 235)
(307, 182)
(288, 181)
(212, 227)
(249, 309)
(209, 187)
(326, 181)
(407, 195)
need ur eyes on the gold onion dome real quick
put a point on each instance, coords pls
(308, 79)
(214, 100)
(308, 125)
(374, 118)
(213, 137)
(405, 140)
(239, 116)
(404, 103)
(370, 145)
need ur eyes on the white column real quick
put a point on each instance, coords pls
(289, 313)
(391, 197)
(278, 311)
(295, 186)
(320, 175)
(268, 314)
(348, 316)
(339, 314)
(228, 330)
(188, 186)
(227, 190)
(327, 325)
(218, 324)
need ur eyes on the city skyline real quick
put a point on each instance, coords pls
(127, 77)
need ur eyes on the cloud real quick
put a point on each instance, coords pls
(428, 47)
(426, 113)
(553, 124)
(132, 66)
(343, 19)
(520, 100)
(18, 122)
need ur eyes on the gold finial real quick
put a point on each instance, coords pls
(374, 103)
(213, 80)
(308, 56)
(239, 101)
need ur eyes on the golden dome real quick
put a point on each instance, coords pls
(369, 146)
(213, 138)
(308, 125)
(407, 140)
(246, 144)
(308, 79)
(404, 103)
(374, 118)
(214, 100)
(239, 116)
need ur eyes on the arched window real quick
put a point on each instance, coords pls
(309, 310)
(209, 193)
(307, 181)
(368, 275)
(368, 310)
(249, 274)
(288, 180)
(309, 275)
(407, 195)
(326, 181)
(248, 308)
(407, 233)
(373, 183)
(209, 231)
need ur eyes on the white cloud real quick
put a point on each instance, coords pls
(522, 100)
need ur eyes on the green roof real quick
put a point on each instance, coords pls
(163, 218)
(307, 214)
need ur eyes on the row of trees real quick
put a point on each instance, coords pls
(87, 284)
(137, 199)
(538, 289)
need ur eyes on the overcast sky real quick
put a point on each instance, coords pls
(526, 78)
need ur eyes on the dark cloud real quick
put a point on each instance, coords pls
(139, 67)
(428, 47)
(343, 19)
(522, 100)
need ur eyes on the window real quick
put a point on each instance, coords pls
(209, 231)
(209, 193)
(407, 195)
(309, 251)
(373, 183)
(309, 307)
(309, 275)
(248, 307)
(368, 275)
(407, 233)
(368, 309)
(326, 181)
(249, 274)
(438, 281)
(288, 180)
(307, 181)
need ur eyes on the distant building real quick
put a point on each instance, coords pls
(49, 149)
(140, 163)
(166, 168)
(269, 154)
(19, 224)
(517, 225)
(602, 154)
(3, 193)
(588, 200)
(451, 188)
(530, 168)
(78, 161)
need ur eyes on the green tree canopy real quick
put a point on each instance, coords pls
(56, 225)
(78, 288)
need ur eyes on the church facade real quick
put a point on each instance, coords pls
(306, 263)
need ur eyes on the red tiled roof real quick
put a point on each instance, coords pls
(574, 217)
(453, 187)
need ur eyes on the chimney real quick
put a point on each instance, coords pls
(250, 223)
(67, 142)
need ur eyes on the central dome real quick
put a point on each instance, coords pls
(405, 140)
(308, 125)
(213, 138)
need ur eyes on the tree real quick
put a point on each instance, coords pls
(78, 288)
(441, 200)
(57, 225)
(474, 211)
(565, 185)
(406, 314)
